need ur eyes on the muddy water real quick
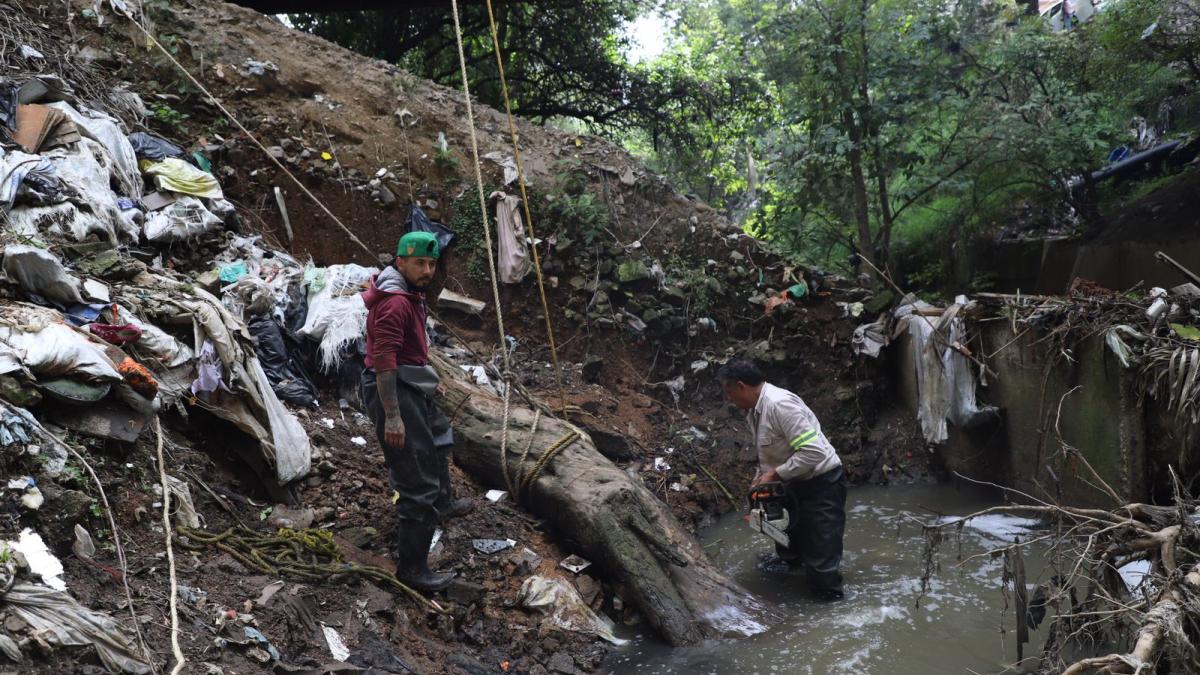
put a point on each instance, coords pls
(879, 629)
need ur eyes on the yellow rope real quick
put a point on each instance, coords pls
(537, 263)
(252, 137)
(487, 230)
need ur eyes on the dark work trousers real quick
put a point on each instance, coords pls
(417, 470)
(817, 521)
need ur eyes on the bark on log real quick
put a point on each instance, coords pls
(613, 519)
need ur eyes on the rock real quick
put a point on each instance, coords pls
(561, 662)
(15, 392)
(844, 394)
(675, 295)
(631, 271)
(577, 283)
(464, 592)
(525, 562)
(110, 264)
(600, 299)
(359, 536)
(276, 152)
(62, 511)
(589, 588)
(650, 315)
(613, 446)
(384, 196)
(591, 369)
(451, 300)
(85, 249)
(879, 303)
(737, 256)
(291, 518)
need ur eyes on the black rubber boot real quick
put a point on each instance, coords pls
(458, 507)
(412, 559)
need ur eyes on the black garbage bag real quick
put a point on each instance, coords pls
(282, 363)
(155, 148)
(419, 222)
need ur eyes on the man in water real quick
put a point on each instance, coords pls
(398, 390)
(793, 450)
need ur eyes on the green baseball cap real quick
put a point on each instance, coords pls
(417, 245)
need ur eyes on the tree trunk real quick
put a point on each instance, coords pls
(612, 519)
(858, 179)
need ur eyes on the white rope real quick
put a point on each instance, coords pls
(487, 229)
(166, 511)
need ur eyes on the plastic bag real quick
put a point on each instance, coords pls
(280, 363)
(29, 179)
(419, 222)
(39, 272)
(184, 220)
(336, 314)
(154, 342)
(106, 131)
(55, 349)
(153, 148)
(177, 175)
(564, 608)
(65, 622)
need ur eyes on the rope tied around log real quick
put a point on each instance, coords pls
(549, 454)
(310, 554)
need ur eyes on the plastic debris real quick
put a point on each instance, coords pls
(116, 335)
(496, 495)
(233, 271)
(336, 314)
(39, 559)
(257, 636)
(337, 646)
(39, 272)
(65, 622)
(574, 563)
(154, 148)
(38, 339)
(183, 220)
(563, 607)
(490, 546)
(177, 175)
(359, 441)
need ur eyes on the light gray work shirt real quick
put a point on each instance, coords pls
(788, 436)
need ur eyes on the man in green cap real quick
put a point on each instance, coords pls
(398, 389)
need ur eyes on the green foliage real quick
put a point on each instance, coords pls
(170, 118)
(469, 241)
(903, 125)
(582, 216)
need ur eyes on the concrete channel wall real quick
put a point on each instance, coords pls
(1125, 438)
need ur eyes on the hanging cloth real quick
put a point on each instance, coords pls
(512, 253)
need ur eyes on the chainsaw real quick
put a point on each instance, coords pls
(769, 511)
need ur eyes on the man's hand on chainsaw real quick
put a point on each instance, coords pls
(768, 476)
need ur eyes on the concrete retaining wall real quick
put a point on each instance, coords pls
(1129, 444)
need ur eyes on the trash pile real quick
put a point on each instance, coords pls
(127, 293)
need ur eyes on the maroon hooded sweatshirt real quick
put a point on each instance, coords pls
(395, 323)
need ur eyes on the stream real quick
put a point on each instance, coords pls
(879, 628)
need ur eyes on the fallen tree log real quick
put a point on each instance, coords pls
(613, 519)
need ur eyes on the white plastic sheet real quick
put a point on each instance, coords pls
(336, 313)
(107, 132)
(154, 343)
(563, 607)
(183, 220)
(945, 380)
(38, 339)
(39, 271)
(512, 256)
(85, 167)
(65, 622)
